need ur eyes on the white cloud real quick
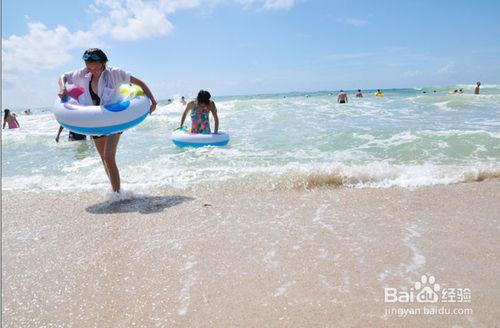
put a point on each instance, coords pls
(171, 6)
(40, 49)
(352, 21)
(129, 20)
(122, 20)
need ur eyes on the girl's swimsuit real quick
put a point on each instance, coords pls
(200, 120)
(95, 98)
(12, 124)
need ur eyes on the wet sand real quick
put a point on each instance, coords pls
(247, 257)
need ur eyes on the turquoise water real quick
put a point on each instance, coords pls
(407, 138)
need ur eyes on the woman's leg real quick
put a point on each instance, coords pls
(100, 143)
(110, 160)
(106, 146)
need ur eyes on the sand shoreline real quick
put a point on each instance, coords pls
(318, 257)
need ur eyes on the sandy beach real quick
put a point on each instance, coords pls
(279, 163)
(240, 257)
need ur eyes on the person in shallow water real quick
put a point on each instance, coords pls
(200, 108)
(476, 89)
(10, 120)
(99, 83)
(342, 97)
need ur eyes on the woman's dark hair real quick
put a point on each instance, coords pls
(203, 97)
(95, 54)
(6, 113)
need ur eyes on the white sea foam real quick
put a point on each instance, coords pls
(408, 139)
(123, 195)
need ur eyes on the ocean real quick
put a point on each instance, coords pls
(292, 140)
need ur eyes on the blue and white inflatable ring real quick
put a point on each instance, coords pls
(181, 137)
(131, 110)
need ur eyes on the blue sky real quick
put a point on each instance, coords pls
(233, 47)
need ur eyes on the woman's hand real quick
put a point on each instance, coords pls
(153, 107)
(62, 93)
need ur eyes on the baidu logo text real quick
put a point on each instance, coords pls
(427, 291)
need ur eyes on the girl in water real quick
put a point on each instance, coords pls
(200, 110)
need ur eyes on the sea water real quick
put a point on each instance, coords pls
(407, 138)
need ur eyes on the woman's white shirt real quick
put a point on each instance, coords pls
(109, 81)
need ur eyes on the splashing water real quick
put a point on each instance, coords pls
(407, 138)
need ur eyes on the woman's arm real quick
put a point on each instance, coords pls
(188, 108)
(148, 92)
(62, 87)
(216, 118)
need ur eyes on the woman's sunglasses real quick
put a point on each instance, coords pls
(91, 57)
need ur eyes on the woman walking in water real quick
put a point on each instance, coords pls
(100, 83)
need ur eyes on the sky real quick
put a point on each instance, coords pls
(242, 47)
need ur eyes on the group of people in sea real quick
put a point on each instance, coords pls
(460, 91)
(182, 100)
(343, 99)
(10, 118)
(100, 81)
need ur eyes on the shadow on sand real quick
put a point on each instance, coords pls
(143, 205)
